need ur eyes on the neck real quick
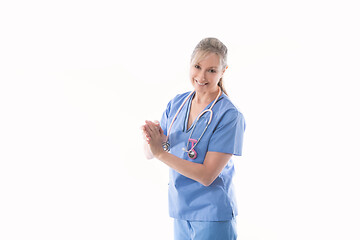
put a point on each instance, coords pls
(206, 97)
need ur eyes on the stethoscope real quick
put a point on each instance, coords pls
(191, 153)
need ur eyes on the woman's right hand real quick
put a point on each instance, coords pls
(147, 138)
(146, 135)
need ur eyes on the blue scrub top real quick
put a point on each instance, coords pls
(189, 199)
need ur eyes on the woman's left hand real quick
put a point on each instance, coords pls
(155, 136)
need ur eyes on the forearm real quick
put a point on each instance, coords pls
(189, 169)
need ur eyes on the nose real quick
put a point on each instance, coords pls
(200, 75)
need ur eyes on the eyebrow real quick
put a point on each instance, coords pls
(200, 65)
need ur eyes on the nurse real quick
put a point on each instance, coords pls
(198, 134)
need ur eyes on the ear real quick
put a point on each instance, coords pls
(224, 71)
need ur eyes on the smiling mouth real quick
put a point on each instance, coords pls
(201, 84)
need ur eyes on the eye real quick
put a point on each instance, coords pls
(197, 66)
(212, 71)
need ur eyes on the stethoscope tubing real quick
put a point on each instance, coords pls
(166, 144)
(192, 130)
(172, 122)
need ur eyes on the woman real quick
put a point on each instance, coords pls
(198, 133)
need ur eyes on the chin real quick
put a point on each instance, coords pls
(200, 89)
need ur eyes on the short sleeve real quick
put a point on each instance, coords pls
(164, 118)
(228, 135)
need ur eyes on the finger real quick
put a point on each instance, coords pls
(147, 128)
(148, 124)
(157, 123)
(144, 131)
(152, 126)
(161, 131)
(146, 136)
(149, 131)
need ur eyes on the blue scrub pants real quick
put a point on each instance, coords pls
(195, 230)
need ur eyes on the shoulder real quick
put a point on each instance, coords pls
(228, 108)
(226, 113)
(178, 99)
(181, 97)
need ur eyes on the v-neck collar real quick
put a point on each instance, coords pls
(187, 113)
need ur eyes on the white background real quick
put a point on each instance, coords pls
(78, 78)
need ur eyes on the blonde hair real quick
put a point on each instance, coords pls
(211, 45)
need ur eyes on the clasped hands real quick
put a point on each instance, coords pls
(154, 136)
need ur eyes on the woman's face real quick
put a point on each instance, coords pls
(206, 74)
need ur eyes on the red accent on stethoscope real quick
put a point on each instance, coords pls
(192, 153)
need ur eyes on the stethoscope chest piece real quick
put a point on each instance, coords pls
(192, 154)
(166, 146)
